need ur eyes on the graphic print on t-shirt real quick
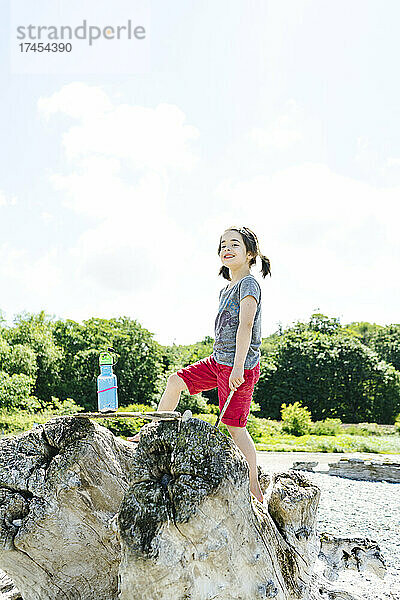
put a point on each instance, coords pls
(223, 320)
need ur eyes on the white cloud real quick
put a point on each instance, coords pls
(149, 138)
(393, 162)
(122, 161)
(283, 132)
(95, 188)
(306, 192)
(37, 276)
(367, 156)
(332, 240)
(46, 217)
(132, 252)
(76, 100)
(6, 200)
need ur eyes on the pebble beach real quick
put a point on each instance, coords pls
(350, 508)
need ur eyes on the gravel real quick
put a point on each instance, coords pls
(350, 508)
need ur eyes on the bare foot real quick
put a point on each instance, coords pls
(135, 438)
(256, 491)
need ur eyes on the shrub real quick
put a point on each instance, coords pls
(61, 407)
(326, 427)
(254, 407)
(196, 403)
(212, 419)
(262, 428)
(126, 426)
(370, 428)
(296, 419)
(366, 429)
(16, 422)
(397, 423)
(212, 409)
(15, 392)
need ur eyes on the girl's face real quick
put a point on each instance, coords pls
(233, 250)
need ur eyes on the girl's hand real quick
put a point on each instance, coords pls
(236, 378)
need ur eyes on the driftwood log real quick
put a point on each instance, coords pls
(366, 470)
(60, 486)
(8, 589)
(188, 527)
(304, 466)
(86, 515)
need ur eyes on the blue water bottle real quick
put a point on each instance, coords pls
(107, 397)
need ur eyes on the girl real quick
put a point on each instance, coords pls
(235, 361)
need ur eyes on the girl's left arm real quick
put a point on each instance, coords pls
(247, 311)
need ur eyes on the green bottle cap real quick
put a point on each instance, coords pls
(105, 358)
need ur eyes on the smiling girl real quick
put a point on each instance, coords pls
(235, 361)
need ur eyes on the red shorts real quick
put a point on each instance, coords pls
(207, 374)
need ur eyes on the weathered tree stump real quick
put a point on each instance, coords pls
(60, 486)
(8, 589)
(85, 516)
(340, 554)
(188, 527)
(358, 554)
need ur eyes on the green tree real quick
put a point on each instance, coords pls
(191, 353)
(15, 392)
(323, 324)
(22, 359)
(334, 374)
(269, 343)
(363, 330)
(139, 368)
(386, 342)
(4, 354)
(17, 359)
(34, 332)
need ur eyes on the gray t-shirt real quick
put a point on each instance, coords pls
(227, 322)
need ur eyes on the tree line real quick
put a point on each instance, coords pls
(351, 372)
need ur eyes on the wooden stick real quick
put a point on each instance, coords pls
(221, 414)
(161, 415)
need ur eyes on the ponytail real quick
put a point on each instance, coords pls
(224, 271)
(265, 265)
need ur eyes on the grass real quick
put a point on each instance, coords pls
(18, 422)
(387, 444)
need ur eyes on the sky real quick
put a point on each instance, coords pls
(278, 115)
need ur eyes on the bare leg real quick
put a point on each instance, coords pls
(169, 399)
(242, 438)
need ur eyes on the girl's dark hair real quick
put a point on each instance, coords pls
(251, 242)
